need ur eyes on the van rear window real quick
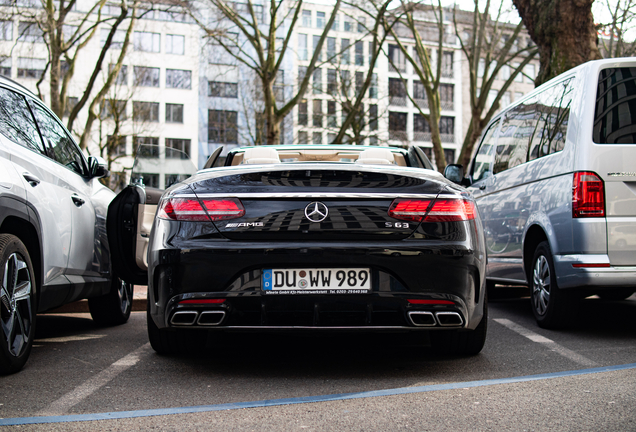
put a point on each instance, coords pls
(615, 111)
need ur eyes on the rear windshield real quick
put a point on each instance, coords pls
(615, 111)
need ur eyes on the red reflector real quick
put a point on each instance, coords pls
(419, 301)
(202, 301)
(590, 265)
(588, 195)
(190, 209)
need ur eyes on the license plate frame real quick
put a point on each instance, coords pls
(321, 280)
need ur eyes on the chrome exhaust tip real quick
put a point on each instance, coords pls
(184, 318)
(210, 318)
(422, 318)
(449, 319)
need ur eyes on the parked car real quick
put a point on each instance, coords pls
(53, 242)
(302, 237)
(554, 180)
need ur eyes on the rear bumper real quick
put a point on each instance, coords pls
(402, 271)
(569, 276)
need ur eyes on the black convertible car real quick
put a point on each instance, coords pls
(312, 238)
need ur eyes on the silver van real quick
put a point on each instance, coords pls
(554, 178)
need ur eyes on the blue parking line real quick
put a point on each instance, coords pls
(307, 399)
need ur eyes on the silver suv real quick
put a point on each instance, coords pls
(554, 178)
(53, 243)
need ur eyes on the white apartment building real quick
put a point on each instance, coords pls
(155, 98)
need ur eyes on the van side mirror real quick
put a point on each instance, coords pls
(97, 167)
(454, 173)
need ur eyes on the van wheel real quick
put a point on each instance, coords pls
(17, 304)
(113, 308)
(551, 306)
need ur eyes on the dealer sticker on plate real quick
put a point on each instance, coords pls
(317, 281)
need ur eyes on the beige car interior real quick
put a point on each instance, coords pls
(144, 224)
(265, 155)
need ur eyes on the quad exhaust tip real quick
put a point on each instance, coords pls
(190, 318)
(430, 319)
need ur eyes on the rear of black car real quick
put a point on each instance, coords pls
(316, 247)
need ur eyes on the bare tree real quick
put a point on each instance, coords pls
(564, 32)
(488, 45)
(258, 38)
(613, 40)
(422, 64)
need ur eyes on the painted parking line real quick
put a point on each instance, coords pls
(303, 400)
(548, 343)
(72, 398)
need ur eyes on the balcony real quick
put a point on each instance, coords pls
(426, 137)
(398, 135)
(399, 68)
(422, 103)
(397, 100)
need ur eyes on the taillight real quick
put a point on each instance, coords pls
(588, 195)
(441, 210)
(190, 209)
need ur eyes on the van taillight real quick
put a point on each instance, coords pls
(442, 210)
(588, 195)
(190, 209)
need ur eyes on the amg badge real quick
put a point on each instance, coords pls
(244, 224)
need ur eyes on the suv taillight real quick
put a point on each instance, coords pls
(442, 210)
(190, 209)
(588, 195)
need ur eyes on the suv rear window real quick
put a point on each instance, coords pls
(615, 111)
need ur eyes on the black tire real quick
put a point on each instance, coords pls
(113, 308)
(17, 304)
(553, 308)
(174, 341)
(616, 294)
(462, 342)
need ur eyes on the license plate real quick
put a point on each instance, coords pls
(317, 281)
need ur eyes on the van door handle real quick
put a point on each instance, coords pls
(33, 180)
(77, 200)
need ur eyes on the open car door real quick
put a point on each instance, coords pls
(131, 214)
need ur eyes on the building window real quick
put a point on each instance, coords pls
(331, 49)
(397, 126)
(302, 137)
(317, 113)
(373, 117)
(316, 138)
(505, 72)
(174, 113)
(332, 121)
(345, 82)
(113, 109)
(359, 47)
(447, 64)
(519, 76)
(332, 83)
(447, 128)
(222, 89)
(302, 112)
(306, 22)
(146, 76)
(316, 41)
(177, 148)
(118, 38)
(320, 20)
(346, 58)
(317, 81)
(359, 82)
(175, 44)
(5, 67)
(70, 104)
(6, 30)
(147, 147)
(150, 180)
(146, 111)
(447, 96)
(373, 87)
(29, 32)
(397, 59)
(528, 70)
(179, 79)
(30, 67)
(335, 26)
(348, 25)
(302, 47)
(116, 145)
(222, 127)
(147, 42)
(397, 92)
(302, 71)
(122, 76)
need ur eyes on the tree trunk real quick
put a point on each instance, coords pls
(564, 32)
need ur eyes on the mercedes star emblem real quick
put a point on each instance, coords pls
(316, 211)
